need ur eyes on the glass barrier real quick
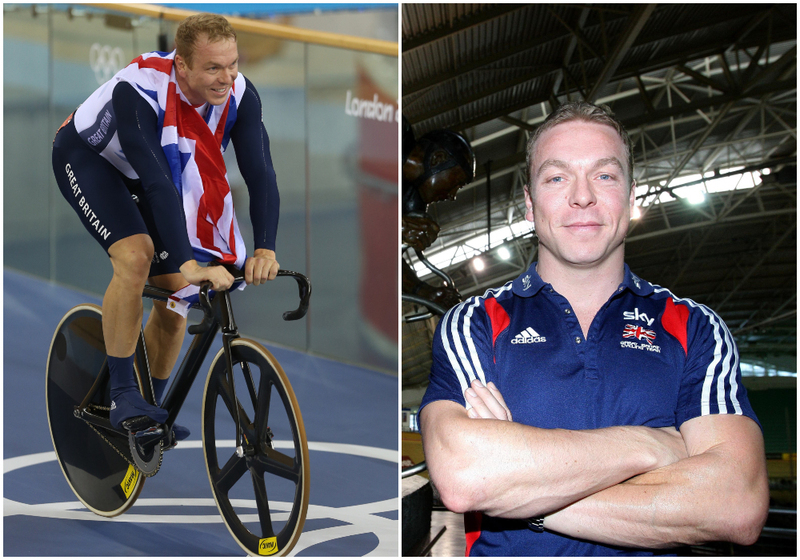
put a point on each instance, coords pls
(331, 118)
(27, 134)
(353, 176)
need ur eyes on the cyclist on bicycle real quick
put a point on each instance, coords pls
(140, 161)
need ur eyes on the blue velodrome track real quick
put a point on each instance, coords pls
(350, 415)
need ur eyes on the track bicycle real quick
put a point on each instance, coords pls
(261, 486)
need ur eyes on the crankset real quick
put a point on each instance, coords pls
(145, 440)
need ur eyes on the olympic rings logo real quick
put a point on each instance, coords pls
(105, 61)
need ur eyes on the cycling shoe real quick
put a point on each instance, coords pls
(130, 404)
(159, 385)
(181, 432)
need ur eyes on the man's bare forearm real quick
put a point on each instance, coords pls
(718, 495)
(511, 470)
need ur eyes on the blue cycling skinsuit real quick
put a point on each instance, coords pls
(113, 146)
(649, 359)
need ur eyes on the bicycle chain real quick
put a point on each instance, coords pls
(115, 448)
(121, 454)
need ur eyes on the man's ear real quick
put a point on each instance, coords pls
(180, 64)
(528, 203)
(633, 195)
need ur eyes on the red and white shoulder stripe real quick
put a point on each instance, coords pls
(458, 336)
(720, 384)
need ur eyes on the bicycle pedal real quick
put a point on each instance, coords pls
(146, 449)
(138, 424)
(148, 437)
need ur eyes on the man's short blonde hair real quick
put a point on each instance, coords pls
(213, 26)
(580, 111)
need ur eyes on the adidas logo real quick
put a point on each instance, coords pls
(528, 336)
(113, 405)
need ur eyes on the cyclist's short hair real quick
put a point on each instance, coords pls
(580, 111)
(213, 26)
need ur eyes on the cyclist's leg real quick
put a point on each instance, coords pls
(165, 329)
(122, 323)
(122, 302)
(164, 336)
(99, 195)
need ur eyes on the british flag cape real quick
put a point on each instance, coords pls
(194, 145)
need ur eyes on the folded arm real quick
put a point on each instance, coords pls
(719, 493)
(511, 470)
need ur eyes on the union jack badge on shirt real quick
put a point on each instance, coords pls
(639, 333)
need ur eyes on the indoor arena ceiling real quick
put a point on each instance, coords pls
(702, 89)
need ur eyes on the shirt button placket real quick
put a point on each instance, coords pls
(568, 313)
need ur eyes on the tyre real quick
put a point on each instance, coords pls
(263, 495)
(92, 460)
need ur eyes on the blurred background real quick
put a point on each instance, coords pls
(336, 166)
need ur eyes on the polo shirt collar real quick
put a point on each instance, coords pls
(635, 284)
(530, 283)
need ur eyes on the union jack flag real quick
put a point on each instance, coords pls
(639, 333)
(194, 147)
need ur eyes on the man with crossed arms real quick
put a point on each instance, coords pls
(579, 410)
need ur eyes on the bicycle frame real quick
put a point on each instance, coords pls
(218, 316)
(106, 466)
(433, 308)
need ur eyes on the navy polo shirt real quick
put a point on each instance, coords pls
(649, 359)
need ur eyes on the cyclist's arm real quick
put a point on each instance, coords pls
(719, 493)
(480, 460)
(251, 143)
(516, 471)
(139, 137)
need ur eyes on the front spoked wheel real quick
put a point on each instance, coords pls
(262, 495)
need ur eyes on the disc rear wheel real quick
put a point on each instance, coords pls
(262, 494)
(92, 459)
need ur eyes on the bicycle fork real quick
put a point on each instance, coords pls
(230, 332)
(226, 345)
